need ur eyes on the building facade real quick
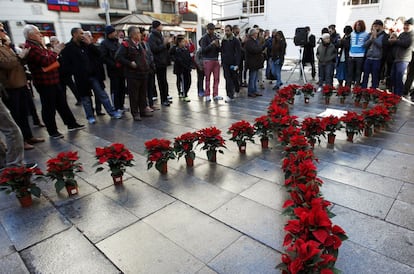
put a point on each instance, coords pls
(15, 14)
(289, 15)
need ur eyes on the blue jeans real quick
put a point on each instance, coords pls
(277, 71)
(397, 73)
(372, 67)
(100, 93)
(326, 74)
(253, 76)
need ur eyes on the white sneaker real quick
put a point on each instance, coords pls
(319, 89)
(218, 97)
(228, 99)
(208, 98)
(154, 98)
(169, 97)
(91, 121)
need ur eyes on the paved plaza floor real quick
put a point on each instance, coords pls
(212, 218)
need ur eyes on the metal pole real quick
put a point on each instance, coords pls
(107, 17)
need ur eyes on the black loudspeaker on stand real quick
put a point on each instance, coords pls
(300, 39)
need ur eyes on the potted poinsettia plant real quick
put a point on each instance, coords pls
(184, 146)
(331, 124)
(159, 151)
(357, 95)
(307, 90)
(327, 92)
(211, 141)
(62, 169)
(289, 93)
(263, 128)
(118, 157)
(312, 129)
(19, 180)
(241, 132)
(343, 92)
(354, 124)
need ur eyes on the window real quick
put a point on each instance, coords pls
(168, 6)
(362, 2)
(118, 4)
(253, 6)
(90, 3)
(144, 5)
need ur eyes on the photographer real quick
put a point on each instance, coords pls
(210, 47)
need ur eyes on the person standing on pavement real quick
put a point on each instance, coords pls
(160, 46)
(210, 46)
(108, 48)
(326, 54)
(230, 60)
(132, 54)
(42, 64)
(13, 76)
(254, 61)
(403, 46)
(308, 51)
(356, 53)
(82, 59)
(184, 64)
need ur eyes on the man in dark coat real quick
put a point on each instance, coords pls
(230, 60)
(254, 61)
(160, 46)
(308, 51)
(108, 48)
(82, 58)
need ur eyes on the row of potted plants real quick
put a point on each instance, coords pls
(62, 169)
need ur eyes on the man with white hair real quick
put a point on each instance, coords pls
(44, 68)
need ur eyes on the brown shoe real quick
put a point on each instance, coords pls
(258, 94)
(28, 146)
(35, 140)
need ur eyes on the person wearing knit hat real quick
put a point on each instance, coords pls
(109, 29)
(326, 54)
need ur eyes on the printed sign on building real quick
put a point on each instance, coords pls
(63, 5)
(183, 7)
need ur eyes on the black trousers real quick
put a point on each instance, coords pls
(137, 90)
(186, 81)
(232, 80)
(410, 76)
(67, 81)
(151, 90)
(53, 99)
(162, 83)
(19, 109)
(200, 80)
(117, 86)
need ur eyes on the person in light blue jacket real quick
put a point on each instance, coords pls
(356, 53)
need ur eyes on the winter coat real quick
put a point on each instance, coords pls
(108, 50)
(357, 48)
(210, 51)
(127, 53)
(254, 54)
(159, 49)
(12, 72)
(183, 60)
(230, 50)
(375, 47)
(403, 47)
(326, 53)
(308, 49)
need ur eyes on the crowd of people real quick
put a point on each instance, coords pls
(134, 62)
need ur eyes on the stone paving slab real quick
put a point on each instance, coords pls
(148, 252)
(267, 193)
(197, 233)
(263, 169)
(402, 214)
(246, 256)
(67, 252)
(12, 264)
(382, 237)
(138, 198)
(407, 193)
(400, 163)
(206, 270)
(357, 199)
(360, 179)
(218, 175)
(27, 226)
(6, 246)
(97, 216)
(267, 227)
(354, 258)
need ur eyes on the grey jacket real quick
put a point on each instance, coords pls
(403, 47)
(374, 46)
(326, 54)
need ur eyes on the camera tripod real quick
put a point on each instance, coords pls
(300, 65)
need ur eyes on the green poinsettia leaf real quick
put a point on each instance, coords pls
(35, 191)
(99, 169)
(59, 185)
(150, 164)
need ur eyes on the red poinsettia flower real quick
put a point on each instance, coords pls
(183, 145)
(116, 155)
(241, 132)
